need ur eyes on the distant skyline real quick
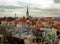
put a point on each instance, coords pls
(37, 8)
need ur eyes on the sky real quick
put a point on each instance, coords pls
(37, 8)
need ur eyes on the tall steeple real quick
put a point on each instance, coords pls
(15, 19)
(15, 15)
(27, 12)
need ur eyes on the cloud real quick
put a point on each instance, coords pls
(54, 12)
(18, 5)
(36, 3)
(57, 1)
(10, 7)
(8, 2)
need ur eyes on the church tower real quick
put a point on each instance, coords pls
(27, 13)
(15, 15)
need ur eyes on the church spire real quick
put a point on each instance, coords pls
(15, 19)
(15, 15)
(27, 12)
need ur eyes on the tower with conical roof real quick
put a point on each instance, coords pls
(15, 19)
(15, 15)
(27, 13)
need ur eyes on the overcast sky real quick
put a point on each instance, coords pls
(37, 8)
(57, 1)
